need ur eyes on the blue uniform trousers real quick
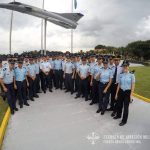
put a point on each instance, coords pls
(32, 87)
(103, 98)
(69, 82)
(37, 83)
(10, 94)
(95, 91)
(21, 90)
(83, 88)
(59, 78)
(123, 104)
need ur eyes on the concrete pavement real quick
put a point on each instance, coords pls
(57, 121)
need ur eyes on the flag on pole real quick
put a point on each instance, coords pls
(75, 4)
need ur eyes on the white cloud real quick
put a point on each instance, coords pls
(111, 22)
(143, 29)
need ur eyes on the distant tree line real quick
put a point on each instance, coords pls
(138, 50)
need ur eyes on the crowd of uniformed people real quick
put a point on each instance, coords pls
(102, 80)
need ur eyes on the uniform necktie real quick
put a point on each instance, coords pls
(115, 75)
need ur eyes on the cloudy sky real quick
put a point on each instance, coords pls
(109, 22)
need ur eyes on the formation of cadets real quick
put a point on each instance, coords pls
(101, 79)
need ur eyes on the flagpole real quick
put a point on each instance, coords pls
(42, 28)
(10, 33)
(45, 38)
(72, 29)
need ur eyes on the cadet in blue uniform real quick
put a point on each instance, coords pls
(41, 60)
(52, 79)
(63, 58)
(31, 73)
(21, 82)
(77, 78)
(37, 70)
(73, 60)
(91, 64)
(58, 72)
(124, 93)
(1, 75)
(117, 69)
(83, 72)
(45, 69)
(69, 71)
(105, 76)
(7, 81)
(94, 83)
(25, 65)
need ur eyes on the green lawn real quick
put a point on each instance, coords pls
(142, 81)
(3, 108)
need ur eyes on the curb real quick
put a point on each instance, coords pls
(141, 97)
(4, 126)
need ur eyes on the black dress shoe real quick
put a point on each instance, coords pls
(21, 106)
(131, 101)
(103, 112)
(110, 109)
(44, 91)
(66, 91)
(113, 114)
(116, 117)
(122, 124)
(91, 103)
(16, 109)
(26, 104)
(36, 96)
(4, 98)
(12, 112)
(72, 93)
(77, 97)
(98, 111)
(50, 90)
(31, 98)
(27, 98)
(83, 96)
